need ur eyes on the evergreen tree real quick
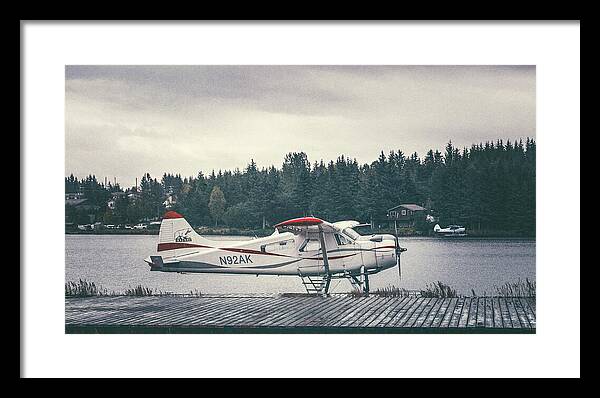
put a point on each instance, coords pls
(217, 204)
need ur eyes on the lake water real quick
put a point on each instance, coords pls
(116, 263)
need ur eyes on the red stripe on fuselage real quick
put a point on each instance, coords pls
(178, 245)
(250, 251)
(184, 245)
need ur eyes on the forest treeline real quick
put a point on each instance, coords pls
(488, 187)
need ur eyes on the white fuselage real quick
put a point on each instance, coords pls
(283, 253)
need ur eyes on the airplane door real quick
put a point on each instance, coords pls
(350, 256)
(335, 256)
(310, 249)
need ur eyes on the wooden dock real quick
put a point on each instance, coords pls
(299, 314)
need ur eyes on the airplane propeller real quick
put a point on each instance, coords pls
(399, 250)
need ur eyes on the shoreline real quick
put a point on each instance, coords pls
(263, 233)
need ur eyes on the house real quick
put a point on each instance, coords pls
(406, 214)
(115, 196)
(170, 201)
(133, 195)
(74, 195)
(75, 199)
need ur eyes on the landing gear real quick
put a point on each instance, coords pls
(360, 281)
(320, 284)
(316, 284)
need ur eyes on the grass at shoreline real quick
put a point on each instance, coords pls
(527, 288)
(83, 288)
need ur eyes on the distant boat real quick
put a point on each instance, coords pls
(451, 230)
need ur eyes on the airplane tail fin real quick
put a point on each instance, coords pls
(176, 233)
(436, 228)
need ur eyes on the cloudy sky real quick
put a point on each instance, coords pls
(123, 121)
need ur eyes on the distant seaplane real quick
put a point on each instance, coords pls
(313, 249)
(450, 230)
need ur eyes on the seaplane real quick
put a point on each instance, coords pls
(450, 230)
(313, 249)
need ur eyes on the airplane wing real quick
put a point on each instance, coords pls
(306, 224)
(341, 225)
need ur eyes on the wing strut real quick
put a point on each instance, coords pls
(325, 261)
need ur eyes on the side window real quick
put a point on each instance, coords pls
(310, 245)
(341, 240)
(276, 246)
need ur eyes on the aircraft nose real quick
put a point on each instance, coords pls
(391, 241)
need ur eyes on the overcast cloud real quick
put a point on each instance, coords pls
(123, 121)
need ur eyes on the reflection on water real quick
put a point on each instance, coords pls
(116, 263)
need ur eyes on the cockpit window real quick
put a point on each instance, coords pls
(352, 234)
(342, 240)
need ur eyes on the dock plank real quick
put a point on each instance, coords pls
(230, 313)
(529, 312)
(432, 313)
(506, 319)
(378, 308)
(514, 317)
(311, 307)
(445, 322)
(399, 312)
(497, 313)
(349, 312)
(531, 302)
(441, 312)
(385, 315)
(253, 312)
(417, 306)
(194, 309)
(521, 312)
(316, 315)
(394, 312)
(353, 321)
(241, 310)
(489, 313)
(473, 310)
(425, 313)
(184, 311)
(329, 311)
(464, 314)
(456, 314)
